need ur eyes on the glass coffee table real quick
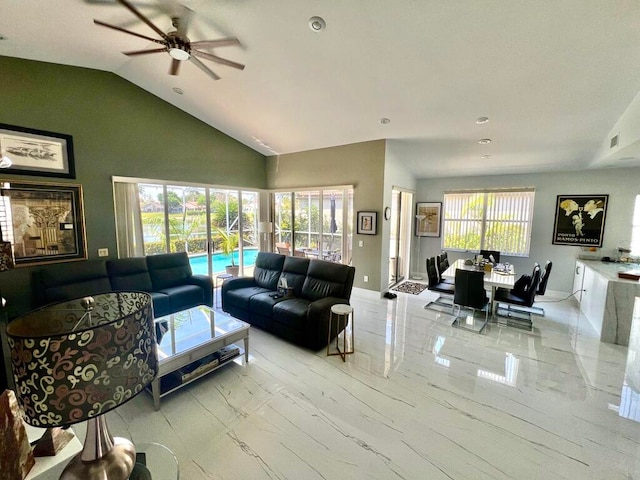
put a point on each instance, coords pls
(193, 343)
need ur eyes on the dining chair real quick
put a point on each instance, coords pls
(523, 294)
(487, 254)
(442, 263)
(434, 284)
(470, 294)
(283, 249)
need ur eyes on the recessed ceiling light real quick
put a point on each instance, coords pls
(178, 90)
(484, 141)
(317, 23)
(481, 120)
(485, 157)
(384, 121)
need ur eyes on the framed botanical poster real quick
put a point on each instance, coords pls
(47, 221)
(579, 220)
(367, 223)
(26, 151)
(428, 219)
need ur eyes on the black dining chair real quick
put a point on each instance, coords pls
(523, 294)
(442, 263)
(470, 294)
(434, 284)
(487, 254)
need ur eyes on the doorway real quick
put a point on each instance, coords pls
(399, 235)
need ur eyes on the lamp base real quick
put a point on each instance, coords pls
(117, 464)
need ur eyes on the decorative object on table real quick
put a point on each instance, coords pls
(413, 288)
(109, 357)
(53, 440)
(630, 275)
(47, 222)
(16, 457)
(429, 223)
(36, 152)
(367, 223)
(579, 220)
(419, 218)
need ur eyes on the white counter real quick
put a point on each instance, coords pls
(607, 301)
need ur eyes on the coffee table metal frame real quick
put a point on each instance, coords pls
(170, 362)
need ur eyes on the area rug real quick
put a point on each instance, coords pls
(410, 287)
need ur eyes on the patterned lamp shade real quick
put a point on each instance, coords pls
(76, 360)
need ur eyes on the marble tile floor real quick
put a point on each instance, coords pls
(418, 400)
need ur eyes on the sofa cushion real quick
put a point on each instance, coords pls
(168, 269)
(241, 297)
(326, 279)
(295, 271)
(129, 274)
(262, 303)
(267, 270)
(182, 297)
(73, 280)
(161, 304)
(292, 312)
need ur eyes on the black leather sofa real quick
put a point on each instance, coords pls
(167, 277)
(302, 318)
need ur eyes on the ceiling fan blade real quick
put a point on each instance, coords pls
(183, 21)
(175, 65)
(102, 24)
(217, 59)
(223, 42)
(144, 52)
(203, 67)
(137, 13)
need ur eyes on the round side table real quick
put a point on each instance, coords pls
(340, 313)
(154, 462)
(219, 281)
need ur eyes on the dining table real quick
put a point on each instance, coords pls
(502, 276)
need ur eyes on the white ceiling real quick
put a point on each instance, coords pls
(552, 76)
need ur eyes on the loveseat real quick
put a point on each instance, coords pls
(166, 277)
(301, 317)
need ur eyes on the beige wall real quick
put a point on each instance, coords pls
(360, 165)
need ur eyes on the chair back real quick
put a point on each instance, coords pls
(469, 289)
(530, 291)
(487, 254)
(444, 258)
(442, 265)
(432, 272)
(544, 277)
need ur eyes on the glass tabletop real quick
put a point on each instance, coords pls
(182, 331)
(154, 462)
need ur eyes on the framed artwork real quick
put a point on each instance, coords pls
(47, 221)
(26, 151)
(579, 220)
(367, 223)
(428, 219)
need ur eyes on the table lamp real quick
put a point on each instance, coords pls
(77, 360)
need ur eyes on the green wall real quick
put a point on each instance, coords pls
(118, 129)
(360, 165)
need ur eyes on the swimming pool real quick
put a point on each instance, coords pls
(220, 260)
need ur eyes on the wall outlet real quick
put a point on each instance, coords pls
(361, 243)
(366, 278)
(103, 252)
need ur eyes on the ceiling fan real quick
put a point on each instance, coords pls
(177, 44)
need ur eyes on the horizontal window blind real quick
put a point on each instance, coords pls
(489, 219)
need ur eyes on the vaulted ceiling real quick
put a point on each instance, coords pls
(552, 77)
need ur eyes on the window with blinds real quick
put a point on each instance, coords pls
(488, 220)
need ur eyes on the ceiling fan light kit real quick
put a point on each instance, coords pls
(177, 44)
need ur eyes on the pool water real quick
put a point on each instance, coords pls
(220, 261)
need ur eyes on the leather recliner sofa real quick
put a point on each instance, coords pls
(301, 318)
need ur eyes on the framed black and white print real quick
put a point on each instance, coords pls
(367, 223)
(26, 151)
(428, 219)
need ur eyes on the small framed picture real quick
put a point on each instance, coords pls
(367, 223)
(428, 219)
(27, 151)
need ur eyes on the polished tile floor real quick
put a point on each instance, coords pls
(418, 400)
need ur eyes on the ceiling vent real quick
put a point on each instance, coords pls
(614, 141)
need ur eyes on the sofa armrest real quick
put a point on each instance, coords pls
(206, 283)
(323, 306)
